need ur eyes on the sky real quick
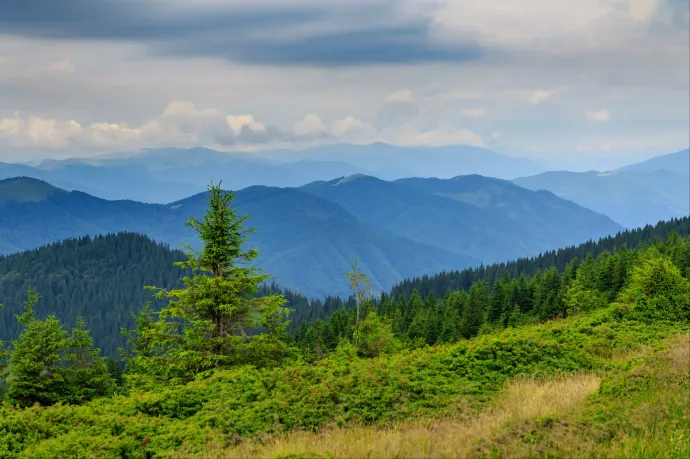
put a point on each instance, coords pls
(571, 82)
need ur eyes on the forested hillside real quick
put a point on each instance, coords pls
(102, 279)
(503, 371)
(584, 285)
(463, 279)
(305, 242)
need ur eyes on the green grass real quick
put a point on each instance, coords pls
(456, 381)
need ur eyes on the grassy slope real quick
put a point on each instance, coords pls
(418, 393)
(638, 408)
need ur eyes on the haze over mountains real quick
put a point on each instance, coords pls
(635, 195)
(488, 219)
(309, 236)
(168, 174)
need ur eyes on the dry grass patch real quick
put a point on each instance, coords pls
(647, 416)
(451, 438)
(680, 355)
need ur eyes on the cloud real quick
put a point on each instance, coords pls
(643, 10)
(540, 96)
(475, 112)
(238, 123)
(397, 108)
(334, 33)
(352, 128)
(598, 116)
(311, 125)
(400, 96)
(445, 134)
(64, 65)
(182, 124)
(16, 131)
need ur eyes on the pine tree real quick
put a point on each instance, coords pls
(205, 325)
(87, 372)
(34, 374)
(473, 314)
(496, 303)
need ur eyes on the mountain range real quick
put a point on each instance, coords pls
(309, 236)
(635, 195)
(167, 174)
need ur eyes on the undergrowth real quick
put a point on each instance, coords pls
(229, 408)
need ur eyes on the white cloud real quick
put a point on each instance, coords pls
(598, 116)
(540, 96)
(445, 134)
(642, 10)
(352, 128)
(474, 112)
(64, 65)
(37, 131)
(236, 123)
(183, 124)
(310, 125)
(400, 96)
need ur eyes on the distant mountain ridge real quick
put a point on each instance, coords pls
(643, 193)
(161, 175)
(306, 243)
(678, 163)
(309, 237)
(486, 218)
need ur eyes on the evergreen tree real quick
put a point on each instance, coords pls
(473, 313)
(87, 372)
(496, 303)
(515, 317)
(33, 372)
(205, 325)
(376, 337)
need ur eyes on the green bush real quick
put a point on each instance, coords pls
(342, 389)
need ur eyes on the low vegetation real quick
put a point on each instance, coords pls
(596, 364)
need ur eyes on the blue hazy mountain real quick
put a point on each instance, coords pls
(306, 243)
(391, 162)
(167, 174)
(636, 195)
(485, 218)
(678, 162)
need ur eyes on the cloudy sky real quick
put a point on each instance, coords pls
(556, 79)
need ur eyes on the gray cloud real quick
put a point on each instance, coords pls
(336, 34)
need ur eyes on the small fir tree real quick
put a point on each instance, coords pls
(205, 324)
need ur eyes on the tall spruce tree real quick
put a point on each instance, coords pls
(208, 323)
(46, 365)
(87, 371)
(474, 311)
(34, 374)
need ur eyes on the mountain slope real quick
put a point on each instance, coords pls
(306, 243)
(678, 162)
(631, 197)
(485, 218)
